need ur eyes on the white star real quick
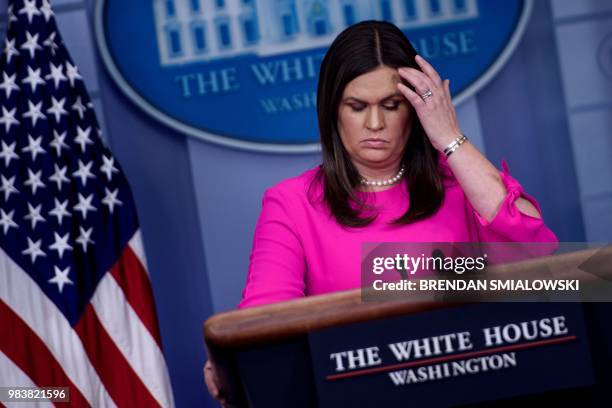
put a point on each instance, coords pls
(59, 211)
(46, 10)
(11, 15)
(31, 44)
(33, 79)
(79, 107)
(111, 199)
(61, 244)
(84, 238)
(84, 205)
(61, 278)
(8, 187)
(59, 176)
(56, 72)
(58, 142)
(9, 49)
(34, 215)
(57, 109)
(84, 172)
(34, 180)
(82, 138)
(8, 153)
(50, 42)
(108, 167)
(34, 147)
(8, 84)
(33, 250)
(8, 118)
(6, 220)
(34, 112)
(72, 73)
(29, 8)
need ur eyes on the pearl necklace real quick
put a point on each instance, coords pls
(388, 182)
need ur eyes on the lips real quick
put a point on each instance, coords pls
(375, 143)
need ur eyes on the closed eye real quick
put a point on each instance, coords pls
(392, 107)
(357, 108)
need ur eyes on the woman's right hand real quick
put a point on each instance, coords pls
(212, 382)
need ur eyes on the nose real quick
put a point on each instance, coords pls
(375, 120)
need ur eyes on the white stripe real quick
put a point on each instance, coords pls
(24, 296)
(132, 338)
(138, 248)
(12, 376)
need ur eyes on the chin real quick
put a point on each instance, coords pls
(376, 155)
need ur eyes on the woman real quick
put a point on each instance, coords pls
(396, 167)
(385, 120)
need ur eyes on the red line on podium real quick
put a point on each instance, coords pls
(450, 357)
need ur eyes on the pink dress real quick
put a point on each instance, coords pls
(299, 249)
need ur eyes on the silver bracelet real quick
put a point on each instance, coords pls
(455, 145)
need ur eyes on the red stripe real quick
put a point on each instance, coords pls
(122, 383)
(31, 355)
(132, 277)
(449, 357)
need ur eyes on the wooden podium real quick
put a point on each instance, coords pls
(264, 356)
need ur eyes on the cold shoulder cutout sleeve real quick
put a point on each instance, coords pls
(510, 224)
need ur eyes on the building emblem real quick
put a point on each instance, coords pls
(243, 73)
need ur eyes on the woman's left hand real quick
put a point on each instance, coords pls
(436, 113)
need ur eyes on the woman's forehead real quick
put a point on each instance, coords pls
(374, 85)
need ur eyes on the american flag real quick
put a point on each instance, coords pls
(76, 307)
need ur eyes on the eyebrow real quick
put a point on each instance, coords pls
(382, 100)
